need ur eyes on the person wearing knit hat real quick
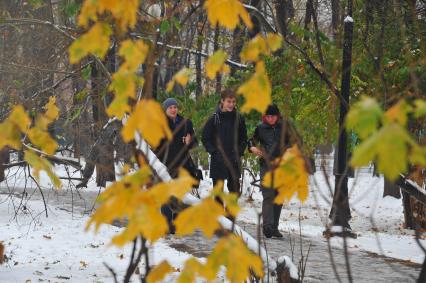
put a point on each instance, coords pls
(270, 140)
(169, 102)
(175, 153)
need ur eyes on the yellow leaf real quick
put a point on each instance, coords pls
(202, 216)
(274, 41)
(149, 119)
(388, 147)
(420, 110)
(43, 140)
(229, 251)
(10, 130)
(254, 48)
(289, 178)
(124, 12)
(126, 199)
(39, 134)
(227, 13)
(399, 113)
(159, 272)
(176, 187)
(134, 54)
(124, 84)
(257, 90)
(260, 45)
(191, 269)
(19, 118)
(125, 81)
(52, 111)
(41, 164)
(215, 63)
(95, 41)
(181, 77)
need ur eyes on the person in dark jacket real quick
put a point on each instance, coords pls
(225, 139)
(274, 135)
(175, 153)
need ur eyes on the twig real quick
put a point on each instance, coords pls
(41, 191)
(114, 275)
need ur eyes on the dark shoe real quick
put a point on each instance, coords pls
(268, 232)
(277, 234)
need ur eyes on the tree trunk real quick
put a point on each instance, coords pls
(198, 62)
(335, 20)
(218, 86)
(284, 11)
(340, 212)
(256, 23)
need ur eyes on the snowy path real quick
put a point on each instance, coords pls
(364, 267)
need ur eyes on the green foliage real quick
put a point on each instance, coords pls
(385, 139)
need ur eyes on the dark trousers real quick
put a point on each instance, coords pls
(233, 184)
(270, 211)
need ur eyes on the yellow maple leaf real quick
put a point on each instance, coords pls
(274, 41)
(399, 113)
(215, 63)
(176, 187)
(181, 77)
(126, 199)
(227, 13)
(95, 41)
(134, 54)
(149, 119)
(124, 12)
(39, 134)
(261, 45)
(203, 216)
(253, 49)
(11, 129)
(41, 164)
(125, 81)
(229, 251)
(52, 111)
(159, 272)
(290, 177)
(257, 90)
(191, 269)
(43, 140)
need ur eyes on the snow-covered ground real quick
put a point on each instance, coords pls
(56, 249)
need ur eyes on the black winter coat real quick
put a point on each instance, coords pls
(175, 153)
(274, 140)
(225, 139)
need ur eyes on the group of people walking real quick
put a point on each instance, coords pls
(224, 137)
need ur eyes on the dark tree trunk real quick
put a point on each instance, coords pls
(335, 19)
(216, 46)
(104, 159)
(256, 23)
(284, 11)
(236, 47)
(340, 212)
(198, 58)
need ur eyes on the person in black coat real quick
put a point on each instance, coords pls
(175, 153)
(225, 139)
(274, 135)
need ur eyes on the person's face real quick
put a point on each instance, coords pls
(172, 111)
(271, 119)
(228, 104)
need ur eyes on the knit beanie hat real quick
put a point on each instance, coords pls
(272, 110)
(169, 102)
